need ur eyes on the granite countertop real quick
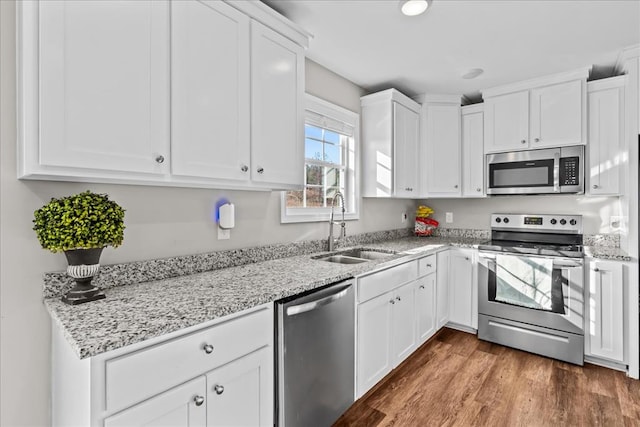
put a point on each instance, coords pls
(133, 313)
(137, 312)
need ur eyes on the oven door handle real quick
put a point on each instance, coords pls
(566, 263)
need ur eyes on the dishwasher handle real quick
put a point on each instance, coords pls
(312, 305)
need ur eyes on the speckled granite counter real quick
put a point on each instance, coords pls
(606, 253)
(137, 312)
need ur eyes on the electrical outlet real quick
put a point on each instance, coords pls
(449, 217)
(404, 217)
(224, 234)
(615, 223)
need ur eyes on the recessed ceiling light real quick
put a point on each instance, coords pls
(472, 73)
(414, 7)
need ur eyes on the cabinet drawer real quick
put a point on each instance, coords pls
(139, 375)
(427, 265)
(378, 283)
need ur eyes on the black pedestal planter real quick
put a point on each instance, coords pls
(83, 265)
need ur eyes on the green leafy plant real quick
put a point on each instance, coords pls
(82, 221)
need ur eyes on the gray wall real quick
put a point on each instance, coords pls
(475, 213)
(160, 222)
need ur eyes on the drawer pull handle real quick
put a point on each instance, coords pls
(208, 348)
(218, 388)
(597, 270)
(429, 265)
(398, 299)
(421, 286)
(392, 302)
(199, 400)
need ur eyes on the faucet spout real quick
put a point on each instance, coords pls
(343, 230)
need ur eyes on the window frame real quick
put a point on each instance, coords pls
(319, 107)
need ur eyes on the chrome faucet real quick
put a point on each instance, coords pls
(343, 230)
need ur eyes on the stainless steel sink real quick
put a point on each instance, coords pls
(366, 254)
(343, 259)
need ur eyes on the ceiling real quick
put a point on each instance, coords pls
(372, 44)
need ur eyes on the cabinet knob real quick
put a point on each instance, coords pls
(524, 141)
(218, 389)
(208, 348)
(537, 140)
(392, 302)
(398, 299)
(421, 286)
(260, 169)
(595, 186)
(429, 265)
(455, 186)
(596, 269)
(478, 189)
(199, 400)
(244, 168)
(160, 159)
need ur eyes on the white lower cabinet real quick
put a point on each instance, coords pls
(606, 311)
(426, 307)
(220, 374)
(442, 289)
(403, 324)
(463, 293)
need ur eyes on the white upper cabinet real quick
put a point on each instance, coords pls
(184, 93)
(390, 136)
(210, 123)
(506, 120)
(538, 113)
(440, 154)
(277, 97)
(606, 130)
(93, 98)
(473, 151)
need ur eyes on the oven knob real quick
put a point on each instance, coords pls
(563, 221)
(573, 222)
(498, 220)
(553, 221)
(505, 220)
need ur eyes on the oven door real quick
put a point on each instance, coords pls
(524, 172)
(537, 290)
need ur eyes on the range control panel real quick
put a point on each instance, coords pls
(550, 223)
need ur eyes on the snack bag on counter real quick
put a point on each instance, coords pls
(425, 225)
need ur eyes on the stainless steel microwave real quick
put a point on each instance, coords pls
(546, 171)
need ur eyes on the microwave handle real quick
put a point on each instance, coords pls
(556, 172)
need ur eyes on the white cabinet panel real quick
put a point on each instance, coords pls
(426, 307)
(277, 90)
(606, 118)
(606, 310)
(442, 142)
(506, 119)
(442, 289)
(406, 131)
(462, 289)
(240, 393)
(210, 91)
(374, 341)
(104, 93)
(176, 407)
(473, 151)
(557, 115)
(403, 331)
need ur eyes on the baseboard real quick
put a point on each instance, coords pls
(462, 328)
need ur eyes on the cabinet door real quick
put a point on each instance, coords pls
(240, 393)
(606, 310)
(104, 85)
(473, 154)
(406, 131)
(374, 341)
(461, 288)
(605, 131)
(506, 122)
(442, 289)
(176, 407)
(210, 90)
(426, 307)
(277, 89)
(557, 115)
(403, 329)
(442, 127)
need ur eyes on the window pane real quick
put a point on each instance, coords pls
(315, 174)
(314, 197)
(332, 137)
(333, 177)
(332, 154)
(312, 131)
(312, 149)
(295, 199)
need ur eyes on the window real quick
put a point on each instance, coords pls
(330, 141)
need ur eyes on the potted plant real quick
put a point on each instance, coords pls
(81, 226)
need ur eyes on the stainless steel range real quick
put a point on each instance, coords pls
(531, 285)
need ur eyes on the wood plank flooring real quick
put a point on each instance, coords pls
(457, 380)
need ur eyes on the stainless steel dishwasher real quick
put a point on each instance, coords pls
(315, 356)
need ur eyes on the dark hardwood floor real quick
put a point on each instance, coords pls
(457, 380)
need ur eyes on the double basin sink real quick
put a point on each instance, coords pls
(354, 256)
